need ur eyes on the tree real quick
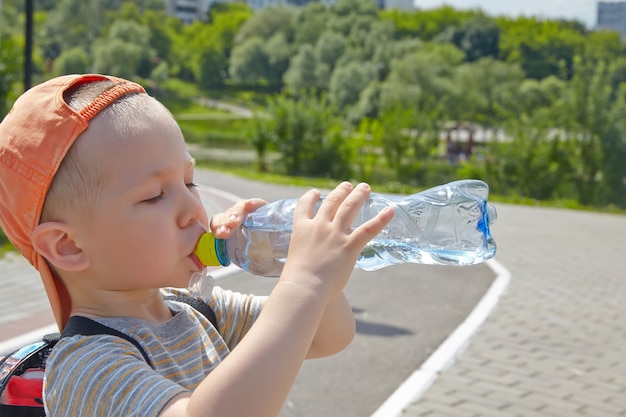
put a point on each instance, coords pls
(301, 74)
(484, 91)
(309, 136)
(591, 99)
(351, 7)
(603, 46)
(226, 21)
(329, 48)
(72, 61)
(278, 52)
(347, 82)
(422, 78)
(122, 52)
(614, 149)
(308, 24)
(380, 33)
(266, 23)
(261, 136)
(535, 95)
(72, 23)
(201, 50)
(367, 142)
(162, 28)
(249, 63)
(541, 47)
(426, 24)
(368, 105)
(532, 162)
(388, 50)
(210, 71)
(478, 37)
(10, 71)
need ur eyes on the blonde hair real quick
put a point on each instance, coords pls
(79, 179)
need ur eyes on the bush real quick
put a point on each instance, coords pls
(5, 245)
(427, 173)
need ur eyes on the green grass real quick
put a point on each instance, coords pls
(254, 98)
(249, 172)
(199, 123)
(391, 187)
(215, 131)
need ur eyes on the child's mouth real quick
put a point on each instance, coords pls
(196, 261)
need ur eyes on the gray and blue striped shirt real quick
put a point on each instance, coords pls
(107, 376)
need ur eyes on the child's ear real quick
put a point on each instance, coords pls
(54, 241)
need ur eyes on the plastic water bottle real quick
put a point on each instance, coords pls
(444, 225)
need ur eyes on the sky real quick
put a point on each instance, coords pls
(583, 10)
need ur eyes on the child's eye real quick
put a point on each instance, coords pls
(154, 199)
(191, 185)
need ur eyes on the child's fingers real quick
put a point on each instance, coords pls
(306, 204)
(350, 207)
(368, 230)
(334, 200)
(252, 204)
(222, 223)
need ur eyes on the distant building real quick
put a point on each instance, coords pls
(259, 4)
(612, 16)
(190, 10)
(396, 4)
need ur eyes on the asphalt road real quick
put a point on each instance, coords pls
(403, 314)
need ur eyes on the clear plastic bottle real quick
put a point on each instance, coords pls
(444, 225)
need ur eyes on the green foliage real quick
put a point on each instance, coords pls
(301, 74)
(553, 90)
(72, 23)
(279, 53)
(201, 50)
(71, 61)
(5, 245)
(266, 23)
(124, 50)
(535, 161)
(485, 92)
(347, 82)
(330, 47)
(307, 134)
(478, 37)
(426, 24)
(308, 23)
(541, 47)
(10, 65)
(249, 63)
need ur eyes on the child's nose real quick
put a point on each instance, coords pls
(193, 209)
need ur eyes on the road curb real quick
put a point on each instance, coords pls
(419, 381)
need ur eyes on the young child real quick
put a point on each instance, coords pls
(97, 192)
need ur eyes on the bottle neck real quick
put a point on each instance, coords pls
(220, 252)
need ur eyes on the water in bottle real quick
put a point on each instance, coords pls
(445, 225)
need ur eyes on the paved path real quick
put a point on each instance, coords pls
(556, 343)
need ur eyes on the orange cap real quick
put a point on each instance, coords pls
(34, 138)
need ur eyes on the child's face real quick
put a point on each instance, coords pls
(143, 228)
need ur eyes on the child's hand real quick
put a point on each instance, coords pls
(222, 224)
(324, 248)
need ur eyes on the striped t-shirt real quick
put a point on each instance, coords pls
(107, 376)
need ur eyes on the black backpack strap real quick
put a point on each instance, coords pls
(197, 304)
(79, 325)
